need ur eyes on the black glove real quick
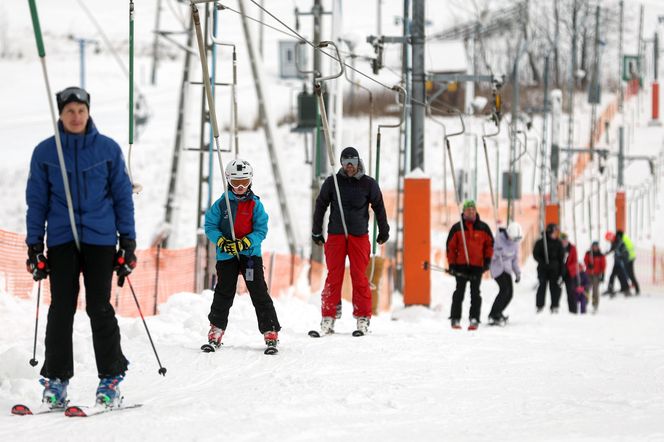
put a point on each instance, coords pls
(382, 237)
(517, 279)
(590, 266)
(318, 238)
(125, 259)
(487, 264)
(601, 278)
(37, 264)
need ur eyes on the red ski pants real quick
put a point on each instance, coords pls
(337, 247)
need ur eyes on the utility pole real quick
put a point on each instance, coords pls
(418, 87)
(621, 96)
(155, 45)
(572, 86)
(594, 97)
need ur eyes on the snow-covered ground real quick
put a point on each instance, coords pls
(544, 377)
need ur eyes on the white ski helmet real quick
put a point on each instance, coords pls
(239, 169)
(514, 231)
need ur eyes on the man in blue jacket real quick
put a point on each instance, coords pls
(100, 195)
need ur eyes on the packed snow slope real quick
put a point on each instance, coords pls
(543, 377)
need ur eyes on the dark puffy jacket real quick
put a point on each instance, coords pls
(479, 241)
(556, 256)
(357, 192)
(100, 190)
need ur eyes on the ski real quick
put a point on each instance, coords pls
(271, 350)
(358, 333)
(80, 411)
(24, 410)
(317, 334)
(209, 348)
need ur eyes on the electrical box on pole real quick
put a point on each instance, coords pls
(511, 186)
(290, 54)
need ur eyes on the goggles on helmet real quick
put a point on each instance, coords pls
(240, 183)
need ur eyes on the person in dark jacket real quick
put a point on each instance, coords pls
(100, 199)
(550, 261)
(357, 191)
(469, 252)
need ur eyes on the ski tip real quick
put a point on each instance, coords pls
(358, 333)
(75, 411)
(271, 351)
(314, 334)
(21, 410)
(207, 348)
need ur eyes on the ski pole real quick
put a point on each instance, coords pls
(34, 361)
(58, 143)
(326, 126)
(428, 266)
(162, 369)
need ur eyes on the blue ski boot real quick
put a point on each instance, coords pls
(108, 391)
(55, 392)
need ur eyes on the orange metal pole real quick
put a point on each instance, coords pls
(621, 202)
(655, 101)
(417, 241)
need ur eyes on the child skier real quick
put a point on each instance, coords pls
(504, 264)
(242, 255)
(596, 264)
(582, 290)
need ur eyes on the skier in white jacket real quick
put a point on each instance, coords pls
(504, 264)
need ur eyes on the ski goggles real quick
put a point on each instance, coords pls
(240, 184)
(72, 94)
(350, 160)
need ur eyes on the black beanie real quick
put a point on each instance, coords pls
(349, 152)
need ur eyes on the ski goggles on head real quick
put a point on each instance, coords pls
(72, 94)
(240, 184)
(350, 160)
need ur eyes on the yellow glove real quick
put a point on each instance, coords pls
(235, 247)
(222, 241)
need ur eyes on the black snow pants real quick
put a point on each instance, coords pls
(475, 298)
(629, 268)
(551, 278)
(570, 288)
(620, 272)
(96, 264)
(505, 291)
(251, 268)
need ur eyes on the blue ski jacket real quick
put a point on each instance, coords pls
(100, 189)
(249, 219)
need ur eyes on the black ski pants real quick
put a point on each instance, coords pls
(570, 288)
(629, 268)
(251, 268)
(550, 278)
(96, 264)
(505, 291)
(475, 298)
(620, 272)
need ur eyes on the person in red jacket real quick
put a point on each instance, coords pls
(468, 260)
(570, 271)
(596, 266)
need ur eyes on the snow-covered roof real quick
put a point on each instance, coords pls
(445, 56)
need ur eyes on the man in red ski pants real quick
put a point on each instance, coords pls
(357, 191)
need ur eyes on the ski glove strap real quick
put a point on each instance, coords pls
(235, 247)
(125, 259)
(37, 264)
